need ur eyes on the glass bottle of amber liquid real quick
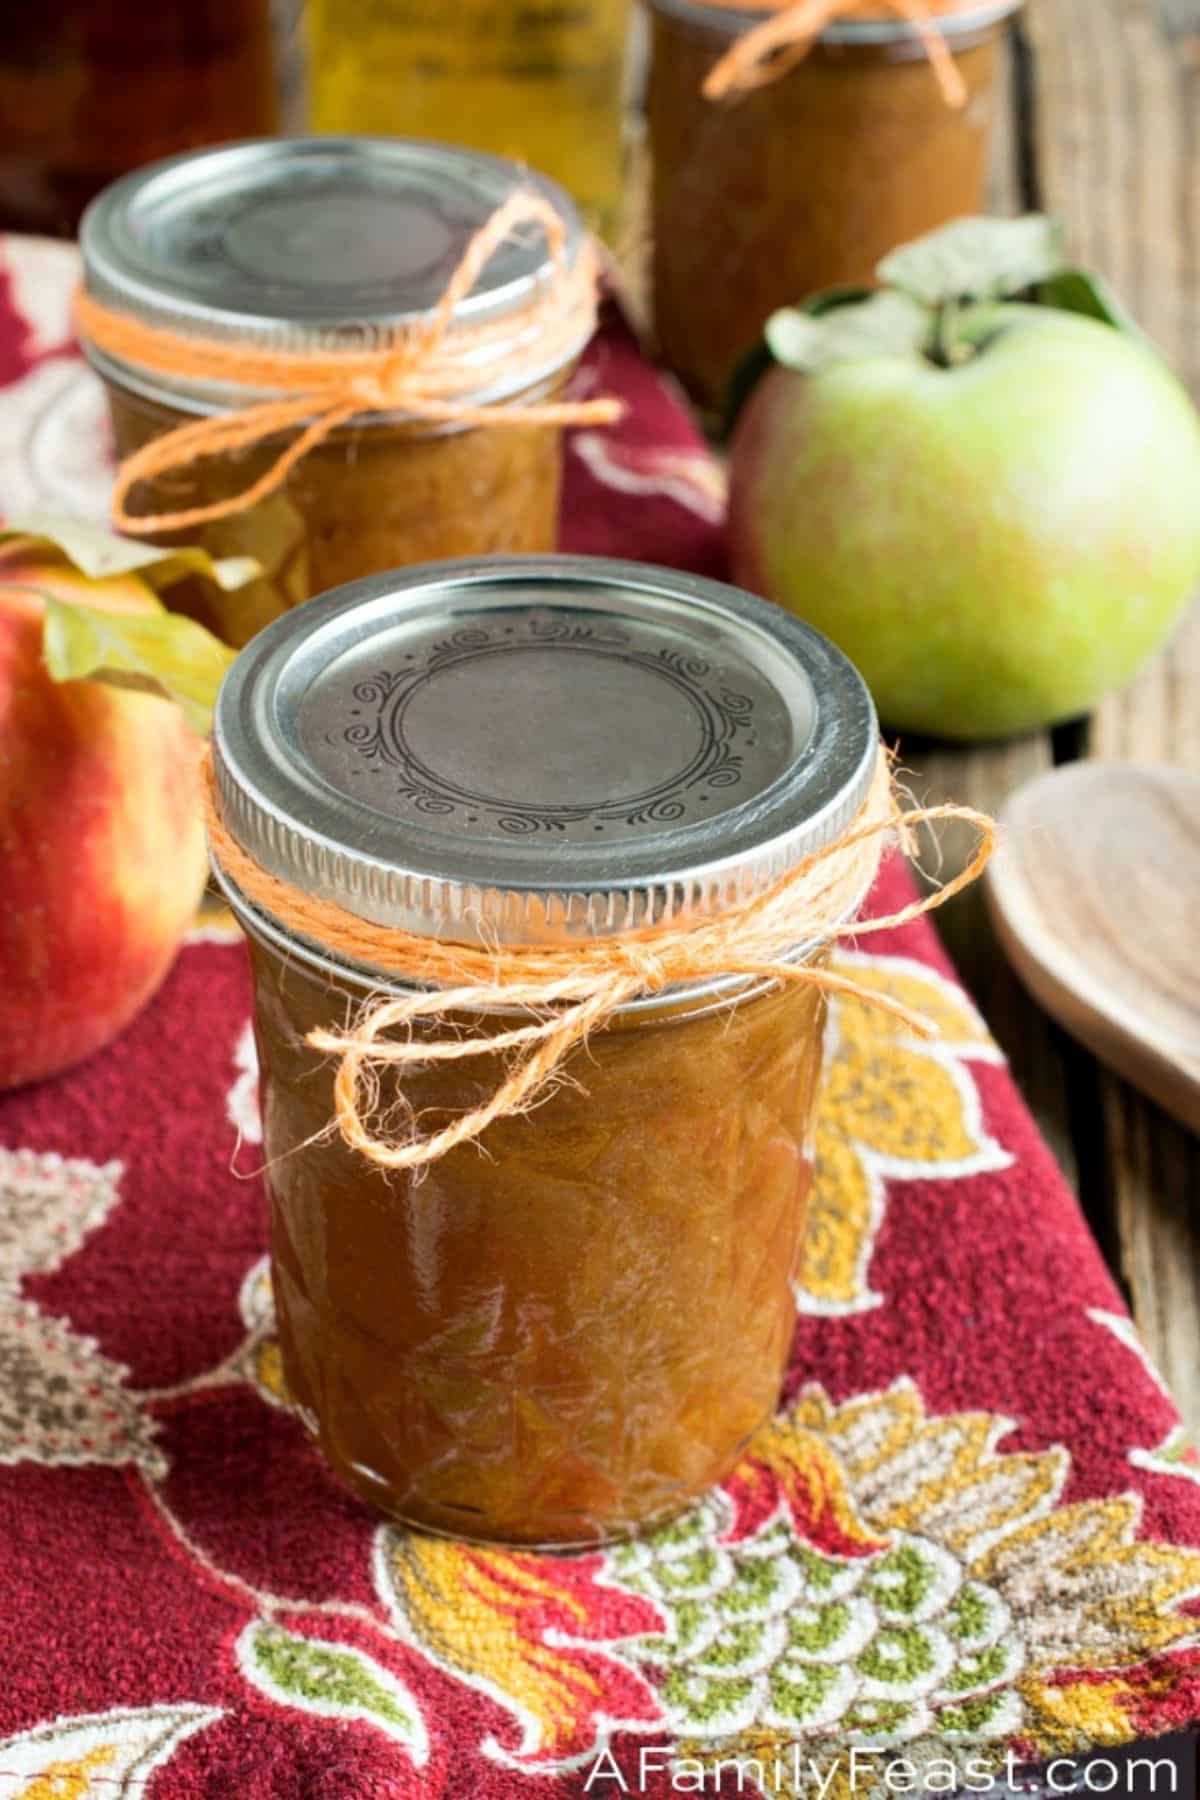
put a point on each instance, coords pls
(536, 80)
(90, 89)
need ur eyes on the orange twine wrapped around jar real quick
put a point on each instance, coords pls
(770, 49)
(425, 371)
(570, 992)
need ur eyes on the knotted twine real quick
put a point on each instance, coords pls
(570, 991)
(769, 50)
(424, 371)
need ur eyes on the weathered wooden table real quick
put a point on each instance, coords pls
(1102, 126)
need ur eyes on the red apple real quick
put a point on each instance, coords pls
(102, 851)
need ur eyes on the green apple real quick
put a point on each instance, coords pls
(993, 507)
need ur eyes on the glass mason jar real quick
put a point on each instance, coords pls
(531, 79)
(575, 1333)
(315, 244)
(89, 89)
(806, 182)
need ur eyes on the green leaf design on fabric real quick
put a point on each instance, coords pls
(736, 1645)
(885, 1718)
(689, 1572)
(332, 1680)
(766, 1633)
(799, 1690)
(156, 652)
(704, 1701)
(898, 1656)
(970, 1615)
(973, 1716)
(820, 1633)
(101, 554)
(821, 1574)
(901, 1581)
(976, 259)
(753, 1589)
(982, 1669)
(691, 1617)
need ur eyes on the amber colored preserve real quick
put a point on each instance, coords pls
(577, 1333)
(92, 88)
(314, 246)
(808, 181)
(374, 496)
(565, 1329)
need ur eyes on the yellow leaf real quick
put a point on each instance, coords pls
(156, 652)
(101, 554)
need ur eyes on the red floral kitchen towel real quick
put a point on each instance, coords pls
(972, 1532)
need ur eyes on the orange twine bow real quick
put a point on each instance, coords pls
(780, 42)
(571, 991)
(422, 371)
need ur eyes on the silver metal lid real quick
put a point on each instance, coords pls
(536, 749)
(883, 30)
(313, 243)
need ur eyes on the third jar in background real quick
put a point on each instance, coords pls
(89, 89)
(531, 79)
(311, 248)
(806, 182)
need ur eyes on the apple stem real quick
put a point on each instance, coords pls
(947, 349)
(945, 325)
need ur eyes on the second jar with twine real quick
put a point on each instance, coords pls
(336, 355)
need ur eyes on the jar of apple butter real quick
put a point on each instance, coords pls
(807, 181)
(567, 1330)
(318, 247)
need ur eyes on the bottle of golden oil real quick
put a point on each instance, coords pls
(537, 80)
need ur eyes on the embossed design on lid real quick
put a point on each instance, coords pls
(527, 749)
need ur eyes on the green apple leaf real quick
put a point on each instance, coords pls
(976, 259)
(156, 651)
(887, 323)
(101, 554)
(753, 365)
(1079, 291)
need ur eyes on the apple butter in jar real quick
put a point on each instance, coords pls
(804, 182)
(568, 1322)
(222, 286)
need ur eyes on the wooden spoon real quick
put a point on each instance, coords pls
(1095, 895)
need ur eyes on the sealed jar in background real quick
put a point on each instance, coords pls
(91, 89)
(315, 246)
(809, 180)
(576, 1332)
(531, 79)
